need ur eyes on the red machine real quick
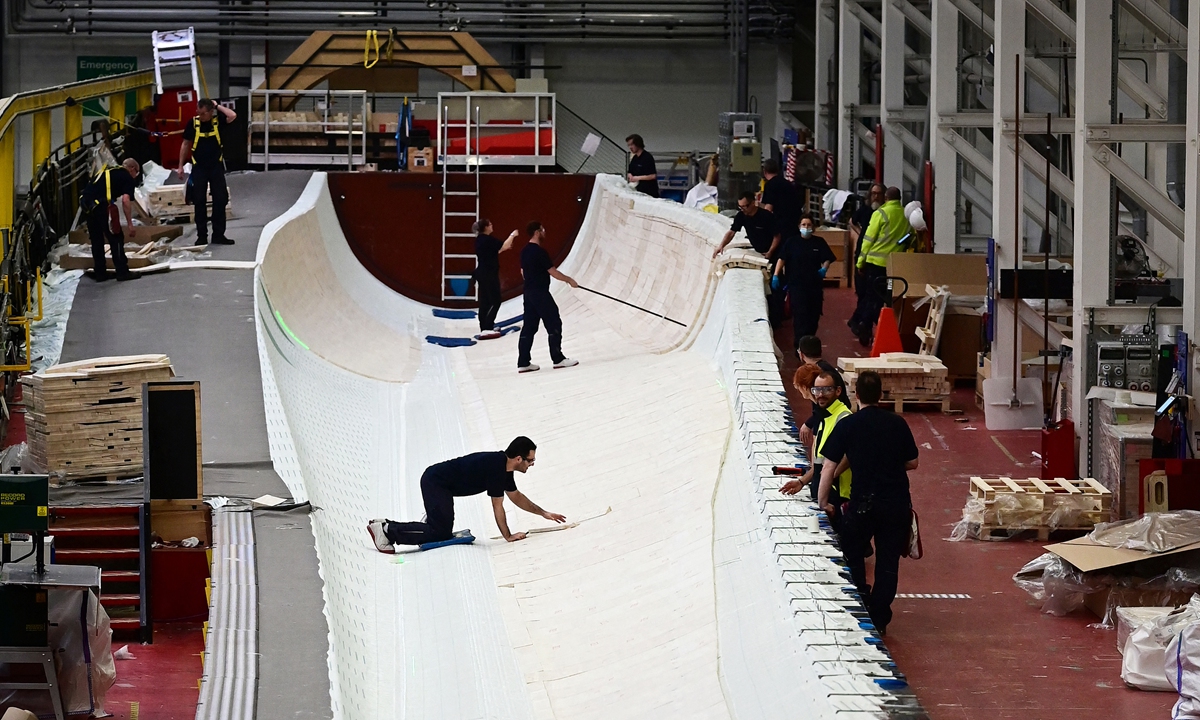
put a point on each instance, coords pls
(175, 108)
(1058, 451)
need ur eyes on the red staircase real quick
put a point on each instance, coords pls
(113, 538)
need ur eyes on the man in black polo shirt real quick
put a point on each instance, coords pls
(803, 262)
(877, 446)
(779, 196)
(537, 269)
(490, 472)
(759, 225)
(642, 169)
(98, 203)
(202, 142)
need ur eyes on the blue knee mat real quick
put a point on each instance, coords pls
(449, 341)
(462, 537)
(454, 314)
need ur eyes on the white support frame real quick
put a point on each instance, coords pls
(825, 110)
(893, 69)
(1006, 225)
(849, 149)
(1094, 103)
(943, 86)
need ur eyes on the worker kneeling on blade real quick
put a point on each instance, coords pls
(490, 472)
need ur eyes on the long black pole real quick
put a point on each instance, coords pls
(635, 307)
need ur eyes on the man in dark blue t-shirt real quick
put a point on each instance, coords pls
(490, 472)
(537, 269)
(878, 447)
(98, 203)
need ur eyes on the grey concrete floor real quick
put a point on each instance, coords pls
(204, 320)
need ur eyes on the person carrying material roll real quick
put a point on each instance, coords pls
(99, 205)
(887, 233)
(202, 143)
(490, 472)
(487, 275)
(537, 269)
(803, 262)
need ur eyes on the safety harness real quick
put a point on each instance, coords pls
(213, 133)
(107, 175)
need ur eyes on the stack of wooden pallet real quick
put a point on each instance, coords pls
(1011, 506)
(908, 378)
(84, 419)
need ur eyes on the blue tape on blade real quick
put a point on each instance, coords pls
(454, 314)
(449, 341)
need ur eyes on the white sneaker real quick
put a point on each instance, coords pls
(566, 362)
(528, 368)
(382, 544)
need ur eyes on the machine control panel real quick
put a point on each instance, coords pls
(1126, 366)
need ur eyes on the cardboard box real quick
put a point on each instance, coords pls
(960, 342)
(141, 234)
(420, 160)
(965, 274)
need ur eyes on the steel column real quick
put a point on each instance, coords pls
(1095, 103)
(826, 76)
(849, 93)
(72, 125)
(116, 107)
(1191, 212)
(943, 98)
(892, 69)
(41, 138)
(1007, 220)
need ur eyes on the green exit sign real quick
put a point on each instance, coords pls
(90, 67)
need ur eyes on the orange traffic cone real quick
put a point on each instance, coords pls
(887, 336)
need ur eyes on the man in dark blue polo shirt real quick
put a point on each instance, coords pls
(878, 447)
(490, 472)
(537, 269)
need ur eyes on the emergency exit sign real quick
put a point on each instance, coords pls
(90, 67)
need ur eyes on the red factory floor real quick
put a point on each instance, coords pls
(160, 682)
(995, 655)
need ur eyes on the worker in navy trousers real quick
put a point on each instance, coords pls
(540, 308)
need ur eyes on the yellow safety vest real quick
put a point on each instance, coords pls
(213, 133)
(837, 410)
(887, 233)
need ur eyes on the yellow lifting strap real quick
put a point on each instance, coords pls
(213, 133)
(372, 38)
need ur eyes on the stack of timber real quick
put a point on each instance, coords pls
(908, 378)
(1011, 506)
(84, 419)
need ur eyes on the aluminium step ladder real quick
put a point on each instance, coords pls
(460, 209)
(174, 48)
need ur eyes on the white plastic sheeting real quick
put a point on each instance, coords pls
(704, 593)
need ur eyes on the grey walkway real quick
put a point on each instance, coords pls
(204, 320)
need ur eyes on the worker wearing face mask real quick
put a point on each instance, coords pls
(802, 265)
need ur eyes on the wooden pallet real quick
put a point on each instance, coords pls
(1036, 499)
(931, 334)
(989, 532)
(910, 403)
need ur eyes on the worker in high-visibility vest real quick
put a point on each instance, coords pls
(887, 233)
(829, 405)
(99, 205)
(202, 143)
